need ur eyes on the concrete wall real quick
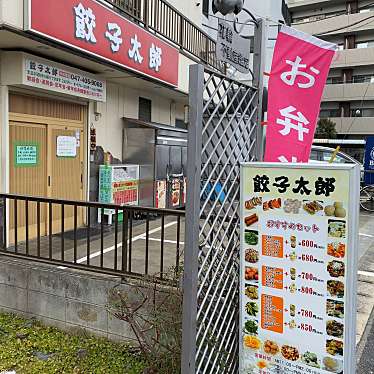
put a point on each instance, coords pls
(69, 300)
(11, 13)
(123, 101)
(191, 9)
(348, 92)
(184, 66)
(353, 57)
(357, 125)
(318, 9)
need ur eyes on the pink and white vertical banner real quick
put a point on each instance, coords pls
(298, 75)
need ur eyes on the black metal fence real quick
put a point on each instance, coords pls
(141, 241)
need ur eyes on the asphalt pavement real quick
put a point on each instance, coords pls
(365, 296)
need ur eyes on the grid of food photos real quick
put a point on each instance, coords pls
(293, 291)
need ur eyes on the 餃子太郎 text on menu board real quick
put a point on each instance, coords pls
(297, 259)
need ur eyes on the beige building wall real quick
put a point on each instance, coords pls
(347, 23)
(184, 66)
(122, 102)
(349, 92)
(190, 8)
(353, 57)
(11, 13)
(354, 125)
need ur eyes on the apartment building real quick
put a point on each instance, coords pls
(348, 99)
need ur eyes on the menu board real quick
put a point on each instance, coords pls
(298, 268)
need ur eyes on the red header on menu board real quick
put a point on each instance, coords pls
(95, 29)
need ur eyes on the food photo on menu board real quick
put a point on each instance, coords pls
(295, 315)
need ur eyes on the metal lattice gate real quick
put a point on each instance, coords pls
(223, 132)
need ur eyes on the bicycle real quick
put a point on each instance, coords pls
(367, 198)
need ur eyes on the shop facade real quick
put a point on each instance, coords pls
(70, 73)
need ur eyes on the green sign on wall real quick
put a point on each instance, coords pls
(26, 154)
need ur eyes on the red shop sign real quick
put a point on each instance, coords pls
(93, 28)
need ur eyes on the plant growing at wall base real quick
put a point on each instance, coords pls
(153, 310)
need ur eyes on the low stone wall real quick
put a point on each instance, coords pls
(68, 299)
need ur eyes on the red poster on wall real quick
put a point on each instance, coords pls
(93, 28)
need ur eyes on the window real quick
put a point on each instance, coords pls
(180, 124)
(366, 10)
(356, 113)
(145, 109)
(367, 44)
(334, 80)
(206, 8)
(340, 160)
(368, 112)
(329, 113)
(314, 155)
(364, 112)
(363, 79)
(352, 7)
(326, 156)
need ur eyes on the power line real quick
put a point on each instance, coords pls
(361, 108)
(322, 19)
(336, 15)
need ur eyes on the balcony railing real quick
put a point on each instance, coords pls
(131, 7)
(355, 79)
(165, 20)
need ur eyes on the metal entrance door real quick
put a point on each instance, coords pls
(224, 130)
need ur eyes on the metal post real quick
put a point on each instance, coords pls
(145, 14)
(259, 64)
(190, 281)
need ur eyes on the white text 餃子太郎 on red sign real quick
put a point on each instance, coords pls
(93, 28)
